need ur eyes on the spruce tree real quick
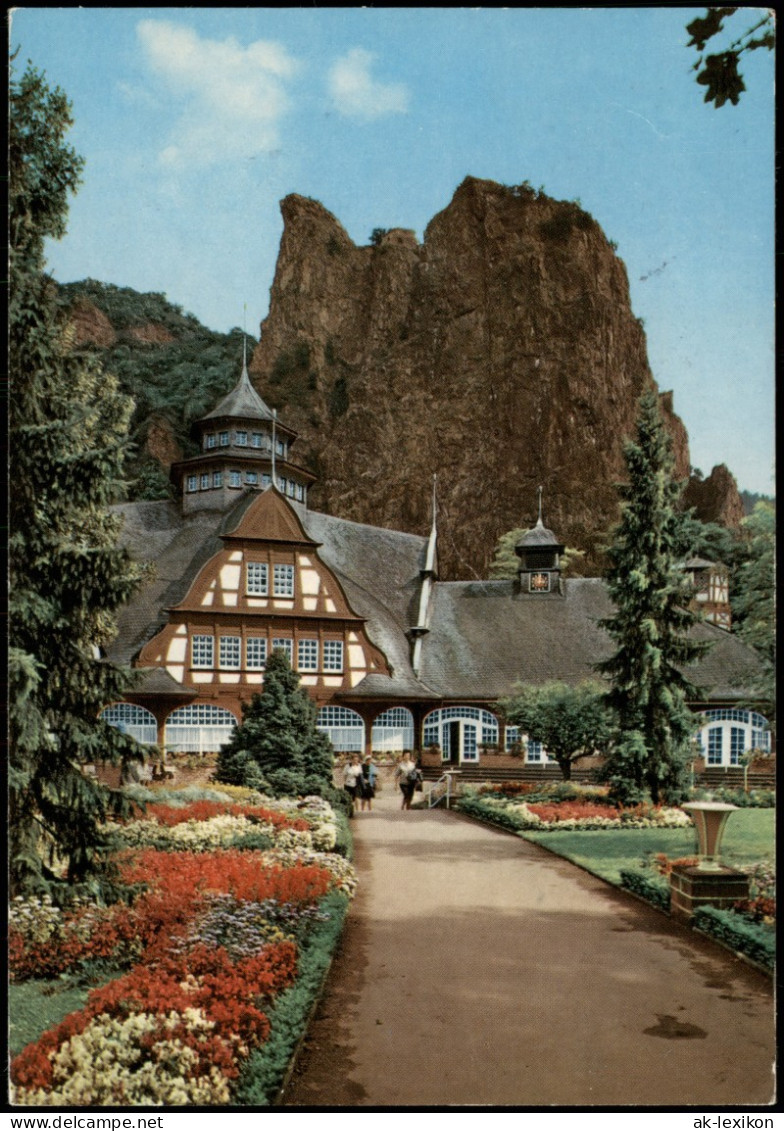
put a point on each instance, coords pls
(67, 429)
(277, 746)
(651, 623)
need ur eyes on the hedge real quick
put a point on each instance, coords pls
(755, 940)
(653, 891)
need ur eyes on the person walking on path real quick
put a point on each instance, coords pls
(407, 776)
(366, 784)
(352, 772)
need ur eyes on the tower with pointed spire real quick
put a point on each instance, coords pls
(539, 552)
(242, 447)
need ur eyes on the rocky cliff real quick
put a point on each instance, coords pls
(499, 354)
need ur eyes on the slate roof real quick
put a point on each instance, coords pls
(243, 401)
(483, 636)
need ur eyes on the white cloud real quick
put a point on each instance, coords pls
(233, 97)
(357, 94)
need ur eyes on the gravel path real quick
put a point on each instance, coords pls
(478, 969)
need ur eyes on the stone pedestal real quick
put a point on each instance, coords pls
(692, 888)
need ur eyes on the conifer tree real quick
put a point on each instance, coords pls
(277, 745)
(67, 428)
(650, 624)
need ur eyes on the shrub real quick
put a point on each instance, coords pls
(651, 890)
(756, 941)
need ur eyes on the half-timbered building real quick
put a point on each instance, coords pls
(393, 657)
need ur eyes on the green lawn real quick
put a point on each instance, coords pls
(749, 836)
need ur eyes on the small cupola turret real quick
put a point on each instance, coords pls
(539, 552)
(242, 447)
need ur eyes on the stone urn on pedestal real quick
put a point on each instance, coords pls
(709, 882)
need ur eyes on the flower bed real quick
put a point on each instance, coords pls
(518, 815)
(221, 930)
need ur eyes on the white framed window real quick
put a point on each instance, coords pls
(257, 440)
(235, 479)
(229, 651)
(737, 745)
(217, 478)
(307, 655)
(202, 651)
(256, 652)
(223, 439)
(205, 482)
(280, 448)
(266, 479)
(715, 744)
(257, 578)
(138, 722)
(333, 655)
(300, 493)
(241, 439)
(251, 478)
(198, 727)
(282, 485)
(193, 482)
(284, 644)
(282, 580)
(209, 440)
(343, 727)
(291, 488)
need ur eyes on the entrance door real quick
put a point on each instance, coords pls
(460, 742)
(453, 731)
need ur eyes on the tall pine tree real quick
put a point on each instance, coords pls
(67, 431)
(651, 623)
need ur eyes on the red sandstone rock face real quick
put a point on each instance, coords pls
(90, 325)
(500, 354)
(161, 443)
(151, 334)
(716, 499)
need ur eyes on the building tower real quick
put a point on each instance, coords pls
(242, 447)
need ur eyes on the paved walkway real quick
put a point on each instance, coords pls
(478, 969)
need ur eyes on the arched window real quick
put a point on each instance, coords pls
(198, 728)
(393, 730)
(136, 721)
(728, 732)
(343, 727)
(460, 731)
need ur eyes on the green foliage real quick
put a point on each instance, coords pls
(756, 940)
(67, 441)
(754, 603)
(377, 235)
(656, 892)
(263, 1073)
(277, 746)
(175, 375)
(719, 72)
(650, 624)
(570, 722)
(754, 799)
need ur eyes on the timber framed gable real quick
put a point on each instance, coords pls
(266, 588)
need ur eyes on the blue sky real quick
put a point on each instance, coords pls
(195, 122)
